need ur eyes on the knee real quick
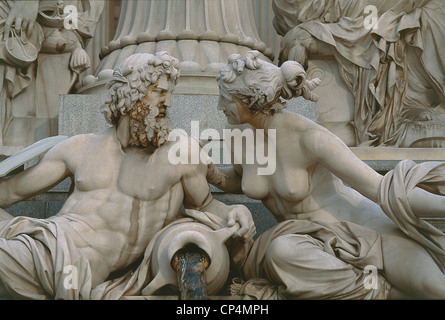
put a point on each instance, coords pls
(284, 248)
(275, 250)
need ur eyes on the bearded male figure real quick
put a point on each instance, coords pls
(125, 191)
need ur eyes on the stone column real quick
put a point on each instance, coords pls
(202, 34)
(101, 37)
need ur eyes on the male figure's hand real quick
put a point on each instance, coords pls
(240, 214)
(237, 214)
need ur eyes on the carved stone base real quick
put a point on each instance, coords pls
(425, 134)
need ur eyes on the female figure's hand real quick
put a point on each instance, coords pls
(22, 17)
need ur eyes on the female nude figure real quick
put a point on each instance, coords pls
(318, 179)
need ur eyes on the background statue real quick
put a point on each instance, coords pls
(125, 191)
(389, 58)
(334, 211)
(53, 57)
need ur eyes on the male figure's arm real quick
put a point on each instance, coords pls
(228, 179)
(198, 197)
(50, 170)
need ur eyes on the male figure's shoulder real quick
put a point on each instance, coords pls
(184, 153)
(77, 144)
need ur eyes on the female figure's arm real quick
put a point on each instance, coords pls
(22, 16)
(328, 150)
(228, 179)
(331, 152)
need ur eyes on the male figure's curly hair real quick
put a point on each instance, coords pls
(132, 78)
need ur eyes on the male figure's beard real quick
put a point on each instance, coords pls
(147, 128)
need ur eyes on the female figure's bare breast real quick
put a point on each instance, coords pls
(287, 191)
(301, 187)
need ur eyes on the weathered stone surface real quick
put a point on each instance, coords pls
(380, 63)
(30, 88)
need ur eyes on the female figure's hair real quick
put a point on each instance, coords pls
(261, 84)
(132, 78)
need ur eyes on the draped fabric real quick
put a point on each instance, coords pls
(394, 199)
(395, 70)
(34, 254)
(33, 91)
(12, 80)
(350, 243)
(37, 257)
(354, 245)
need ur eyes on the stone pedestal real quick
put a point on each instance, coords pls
(201, 34)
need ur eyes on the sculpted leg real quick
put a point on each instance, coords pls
(18, 275)
(410, 268)
(307, 272)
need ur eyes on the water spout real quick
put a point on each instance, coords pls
(209, 266)
(190, 264)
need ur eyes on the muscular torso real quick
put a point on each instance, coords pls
(120, 200)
